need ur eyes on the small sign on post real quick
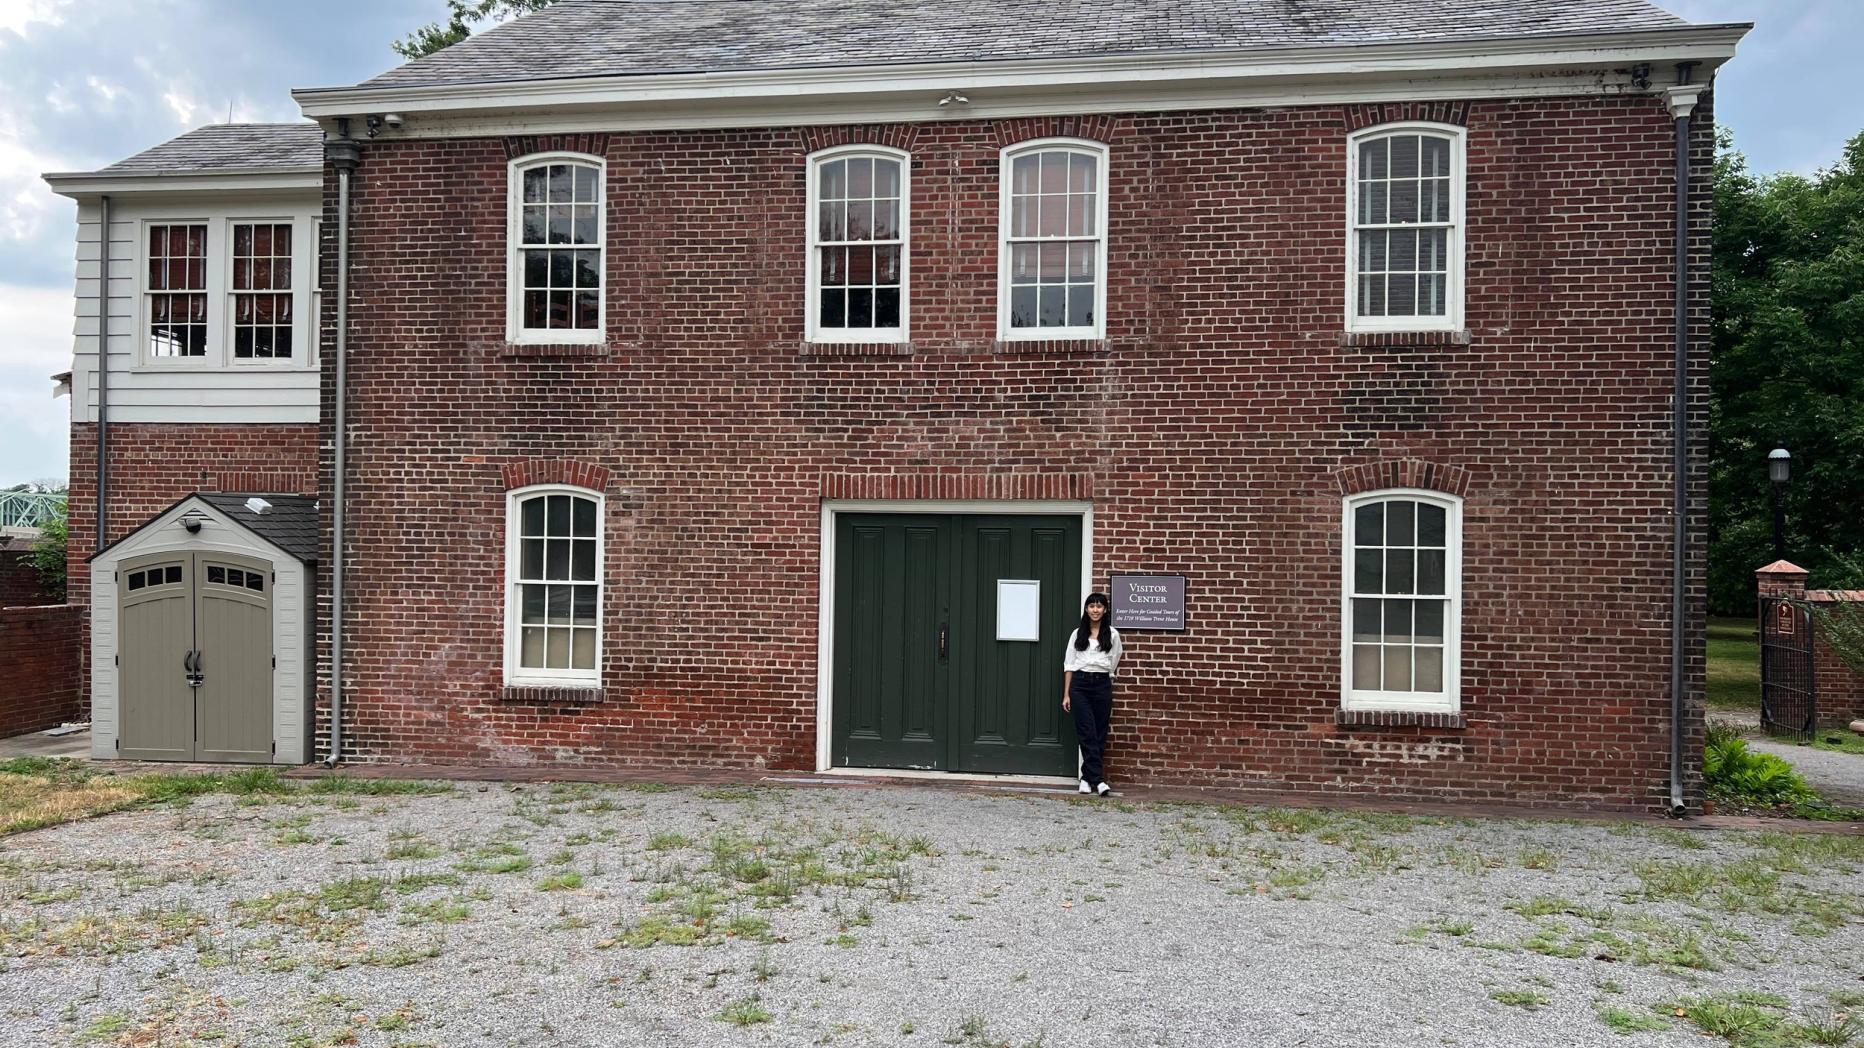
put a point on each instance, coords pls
(1147, 602)
(1784, 618)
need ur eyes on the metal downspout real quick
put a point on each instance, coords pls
(344, 154)
(103, 373)
(1682, 102)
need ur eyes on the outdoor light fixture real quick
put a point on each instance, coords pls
(192, 522)
(1779, 471)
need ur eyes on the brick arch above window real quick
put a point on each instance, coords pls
(1095, 128)
(523, 473)
(592, 144)
(1371, 114)
(1416, 473)
(894, 136)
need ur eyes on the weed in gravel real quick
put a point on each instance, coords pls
(1529, 999)
(349, 786)
(763, 969)
(435, 911)
(557, 882)
(1535, 857)
(497, 857)
(668, 842)
(1628, 1021)
(746, 1011)
(1745, 1017)
(408, 844)
(400, 956)
(97, 936)
(647, 787)
(1837, 1030)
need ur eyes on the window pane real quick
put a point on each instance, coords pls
(1054, 172)
(1401, 295)
(533, 514)
(1403, 202)
(136, 580)
(834, 308)
(887, 178)
(1081, 260)
(1080, 220)
(1372, 296)
(217, 575)
(582, 560)
(1403, 250)
(1365, 620)
(886, 221)
(585, 518)
(1023, 216)
(1054, 216)
(582, 650)
(558, 221)
(831, 221)
(860, 220)
(1023, 307)
(557, 605)
(1372, 159)
(557, 650)
(861, 265)
(583, 225)
(1397, 669)
(1429, 669)
(562, 185)
(1430, 621)
(1366, 667)
(887, 265)
(557, 559)
(1404, 156)
(1369, 525)
(1397, 624)
(834, 180)
(585, 183)
(1430, 524)
(1054, 306)
(1430, 571)
(1399, 576)
(1082, 171)
(559, 516)
(1373, 252)
(860, 177)
(1368, 571)
(1373, 206)
(531, 648)
(1024, 178)
(1023, 263)
(588, 266)
(584, 605)
(534, 222)
(1399, 529)
(887, 308)
(255, 581)
(1081, 305)
(1052, 262)
(531, 559)
(531, 604)
(860, 307)
(534, 180)
(1436, 159)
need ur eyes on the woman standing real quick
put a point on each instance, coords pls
(1088, 666)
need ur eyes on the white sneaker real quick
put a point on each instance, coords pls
(1085, 788)
(1103, 789)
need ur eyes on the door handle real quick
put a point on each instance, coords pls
(944, 640)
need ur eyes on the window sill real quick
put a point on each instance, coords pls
(1010, 347)
(1401, 719)
(1376, 339)
(551, 350)
(857, 349)
(552, 695)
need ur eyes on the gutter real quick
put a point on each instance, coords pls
(345, 155)
(103, 371)
(1682, 101)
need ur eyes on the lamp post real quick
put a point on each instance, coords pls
(1779, 471)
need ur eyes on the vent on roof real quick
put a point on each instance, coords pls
(258, 506)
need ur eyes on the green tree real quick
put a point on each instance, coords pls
(1787, 370)
(47, 555)
(462, 15)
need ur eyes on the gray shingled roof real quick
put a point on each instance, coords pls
(291, 525)
(229, 148)
(583, 38)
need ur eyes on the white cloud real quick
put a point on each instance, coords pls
(104, 89)
(181, 105)
(21, 15)
(39, 325)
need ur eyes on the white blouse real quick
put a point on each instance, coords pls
(1093, 660)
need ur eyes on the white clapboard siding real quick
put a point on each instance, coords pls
(144, 391)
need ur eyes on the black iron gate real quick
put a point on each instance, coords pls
(1786, 687)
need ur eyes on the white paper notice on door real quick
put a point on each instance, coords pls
(1019, 609)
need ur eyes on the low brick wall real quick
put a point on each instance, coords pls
(39, 680)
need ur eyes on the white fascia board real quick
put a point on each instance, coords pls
(807, 89)
(76, 184)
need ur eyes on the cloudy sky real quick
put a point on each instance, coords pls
(84, 83)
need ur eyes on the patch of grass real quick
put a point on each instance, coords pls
(746, 1011)
(497, 857)
(410, 845)
(1628, 1021)
(1535, 857)
(660, 929)
(1747, 1018)
(106, 1027)
(408, 884)
(436, 911)
(1529, 999)
(1733, 671)
(564, 881)
(1838, 741)
(668, 842)
(355, 787)
(1837, 1030)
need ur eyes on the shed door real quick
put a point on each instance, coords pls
(211, 609)
(155, 706)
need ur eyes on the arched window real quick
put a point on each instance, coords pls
(859, 213)
(1402, 600)
(553, 573)
(1404, 198)
(556, 235)
(1052, 261)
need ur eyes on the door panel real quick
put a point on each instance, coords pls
(1006, 701)
(155, 632)
(892, 577)
(233, 614)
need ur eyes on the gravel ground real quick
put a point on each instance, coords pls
(850, 915)
(1839, 777)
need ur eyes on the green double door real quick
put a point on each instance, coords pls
(920, 678)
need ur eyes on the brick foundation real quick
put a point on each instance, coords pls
(1214, 430)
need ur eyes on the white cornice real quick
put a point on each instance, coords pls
(94, 183)
(816, 89)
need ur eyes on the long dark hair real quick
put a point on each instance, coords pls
(1106, 625)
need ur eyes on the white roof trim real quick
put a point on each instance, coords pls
(1706, 45)
(87, 183)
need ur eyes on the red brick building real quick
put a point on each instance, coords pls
(723, 396)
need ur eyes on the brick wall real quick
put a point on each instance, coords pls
(39, 648)
(1217, 431)
(1838, 689)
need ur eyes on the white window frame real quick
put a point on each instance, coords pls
(1005, 164)
(515, 331)
(1452, 318)
(812, 301)
(514, 635)
(1450, 699)
(219, 291)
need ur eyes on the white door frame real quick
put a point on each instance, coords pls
(825, 623)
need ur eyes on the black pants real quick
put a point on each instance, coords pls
(1091, 696)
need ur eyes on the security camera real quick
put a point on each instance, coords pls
(393, 120)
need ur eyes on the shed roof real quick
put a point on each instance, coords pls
(291, 523)
(598, 38)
